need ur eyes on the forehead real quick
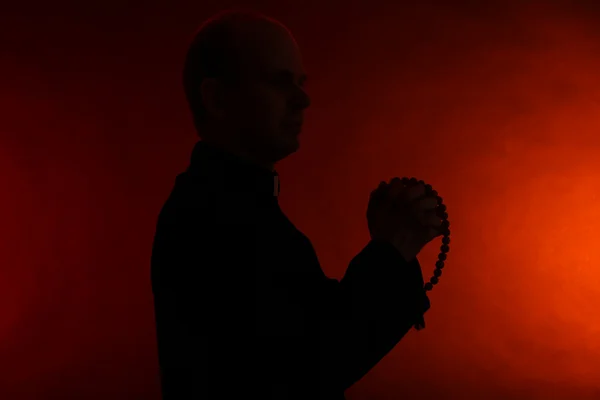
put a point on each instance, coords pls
(266, 47)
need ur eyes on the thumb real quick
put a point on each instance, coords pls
(433, 233)
(380, 193)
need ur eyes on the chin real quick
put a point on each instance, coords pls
(287, 147)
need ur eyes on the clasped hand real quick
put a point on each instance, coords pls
(404, 215)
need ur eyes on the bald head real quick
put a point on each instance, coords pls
(226, 46)
(244, 67)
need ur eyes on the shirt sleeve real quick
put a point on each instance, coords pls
(379, 299)
(213, 326)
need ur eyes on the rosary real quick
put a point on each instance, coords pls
(441, 212)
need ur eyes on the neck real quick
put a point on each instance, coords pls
(241, 152)
(228, 170)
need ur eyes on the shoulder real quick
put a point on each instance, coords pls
(182, 204)
(195, 207)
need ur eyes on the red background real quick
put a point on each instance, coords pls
(496, 106)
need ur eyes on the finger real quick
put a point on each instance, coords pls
(379, 199)
(425, 203)
(377, 190)
(429, 219)
(433, 233)
(414, 192)
(396, 187)
(380, 191)
(432, 220)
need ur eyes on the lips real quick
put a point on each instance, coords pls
(293, 126)
(293, 123)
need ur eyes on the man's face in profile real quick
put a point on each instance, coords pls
(266, 107)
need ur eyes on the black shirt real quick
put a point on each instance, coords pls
(242, 305)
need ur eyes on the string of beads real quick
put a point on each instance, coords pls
(441, 212)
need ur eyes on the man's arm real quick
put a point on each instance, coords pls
(376, 303)
(206, 289)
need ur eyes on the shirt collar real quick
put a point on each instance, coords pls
(223, 167)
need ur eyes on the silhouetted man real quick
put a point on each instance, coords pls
(243, 309)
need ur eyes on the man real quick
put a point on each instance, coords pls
(243, 308)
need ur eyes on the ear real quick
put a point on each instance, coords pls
(212, 97)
